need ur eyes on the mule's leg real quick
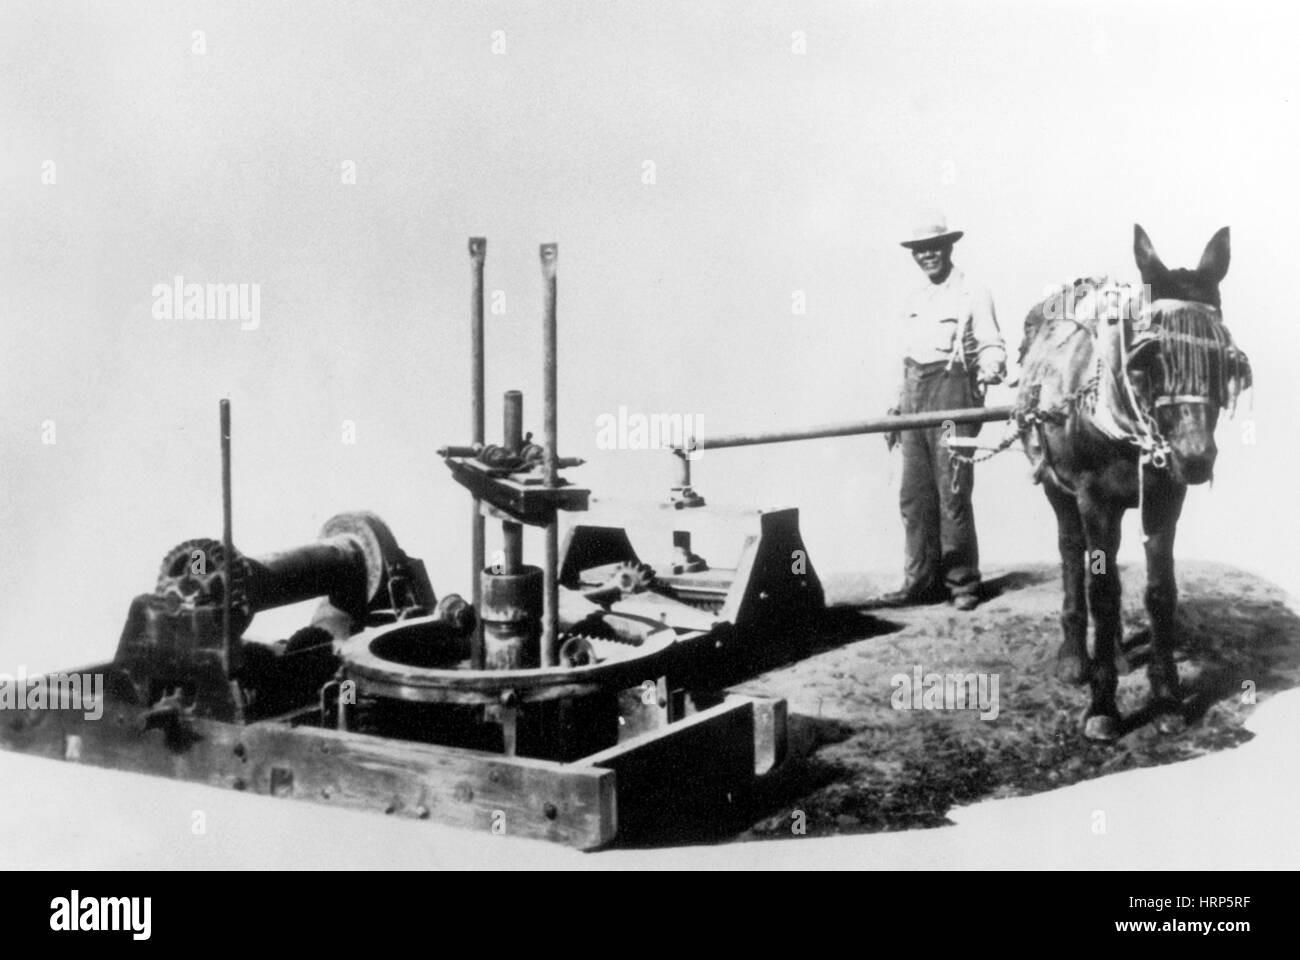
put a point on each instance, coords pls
(1101, 526)
(1072, 657)
(1162, 505)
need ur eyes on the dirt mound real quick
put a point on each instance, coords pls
(863, 765)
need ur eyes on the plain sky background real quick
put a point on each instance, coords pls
(1043, 130)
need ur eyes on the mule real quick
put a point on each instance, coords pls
(1118, 409)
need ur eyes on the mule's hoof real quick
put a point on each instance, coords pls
(1171, 722)
(1071, 669)
(1101, 727)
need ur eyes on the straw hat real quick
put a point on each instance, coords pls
(931, 229)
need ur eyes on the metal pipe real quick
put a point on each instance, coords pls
(512, 534)
(478, 253)
(513, 421)
(333, 567)
(512, 548)
(683, 479)
(511, 605)
(227, 539)
(464, 450)
(551, 596)
(550, 583)
(903, 421)
(550, 251)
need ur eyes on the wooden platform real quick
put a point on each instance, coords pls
(587, 804)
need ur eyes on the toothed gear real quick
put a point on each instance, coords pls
(581, 650)
(191, 577)
(633, 577)
(577, 651)
(595, 641)
(603, 649)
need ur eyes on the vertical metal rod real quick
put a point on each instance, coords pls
(513, 421)
(550, 585)
(227, 542)
(549, 253)
(512, 547)
(512, 534)
(551, 596)
(478, 253)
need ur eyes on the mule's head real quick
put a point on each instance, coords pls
(1184, 377)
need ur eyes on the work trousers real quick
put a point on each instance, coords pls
(938, 520)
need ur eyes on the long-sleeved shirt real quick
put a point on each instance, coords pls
(953, 319)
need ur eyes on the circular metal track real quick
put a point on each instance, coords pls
(408, 661)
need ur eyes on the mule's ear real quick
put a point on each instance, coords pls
(1214, 261)
(1144, 252)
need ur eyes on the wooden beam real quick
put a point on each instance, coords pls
(563, 803)
(683, 769)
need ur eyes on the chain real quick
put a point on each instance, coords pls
(989, 454)
(1032, 415)
(1153, 448)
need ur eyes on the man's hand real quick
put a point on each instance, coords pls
(989, 372)
(892, 438)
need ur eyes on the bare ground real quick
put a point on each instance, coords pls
(859, 765)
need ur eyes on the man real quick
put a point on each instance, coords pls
(954, 350)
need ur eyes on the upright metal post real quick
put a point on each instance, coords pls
(550, 584)
(512, 534)
(683, 479)
(227, 539)
(478, 253)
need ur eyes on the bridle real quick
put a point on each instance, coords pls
(1197, 361)
(1199, 364)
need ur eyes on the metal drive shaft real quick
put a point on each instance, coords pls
(902, 421)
